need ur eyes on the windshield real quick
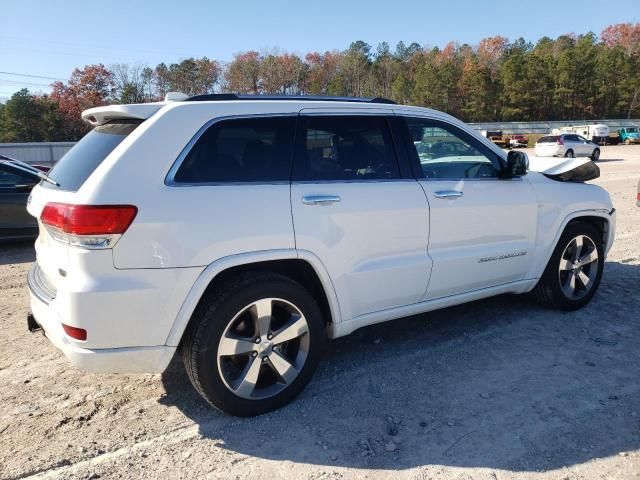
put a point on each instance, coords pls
(549, 139)
(73, 169)
(632, 130)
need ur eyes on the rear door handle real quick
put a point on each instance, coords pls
(320, 199)
(452, 194)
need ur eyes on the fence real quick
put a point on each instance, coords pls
(45, 153)
(509, 128)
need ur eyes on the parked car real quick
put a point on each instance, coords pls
(519, 140)
(203, 224)
(16, 183)
(566, 145)
(629, 135)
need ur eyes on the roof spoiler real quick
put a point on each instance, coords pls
(101, 115)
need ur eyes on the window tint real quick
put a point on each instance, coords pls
(571, 138)
(8, 179)
(581, 139)
(548, 139)
(445, 152)
(347, 148)
(73, 169)
(241, 150)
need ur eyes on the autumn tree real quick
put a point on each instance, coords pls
(88, 87)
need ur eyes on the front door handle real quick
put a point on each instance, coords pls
(452, 194)
(320, 199)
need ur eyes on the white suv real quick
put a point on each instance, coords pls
(566, 145)
(247, 230)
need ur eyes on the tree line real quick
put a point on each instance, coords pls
(571, 77)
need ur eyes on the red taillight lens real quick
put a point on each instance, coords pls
(89, 219)
(75, 332)
(560, 141)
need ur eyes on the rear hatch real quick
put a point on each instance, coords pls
(71, 172)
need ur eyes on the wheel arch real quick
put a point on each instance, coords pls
(601, 220)
(303, 267)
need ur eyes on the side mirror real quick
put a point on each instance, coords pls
(517, 164)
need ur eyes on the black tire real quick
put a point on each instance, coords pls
(549, 291)
(569, 154)
(210, 321)
(595, 155)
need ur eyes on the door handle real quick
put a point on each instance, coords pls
(320, 199)
(452, 194)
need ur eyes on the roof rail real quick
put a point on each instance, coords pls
(215, 97)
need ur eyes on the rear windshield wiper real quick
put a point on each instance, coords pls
(25, 167)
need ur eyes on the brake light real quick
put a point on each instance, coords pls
(560, 141)
(92, 226)
(75, 332)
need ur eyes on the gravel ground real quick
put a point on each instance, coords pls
(495, 389)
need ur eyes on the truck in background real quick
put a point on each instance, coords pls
(629, 135)
(596, 133)
(496, 137)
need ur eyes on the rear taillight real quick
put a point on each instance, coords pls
(560, 141)
(91, 226)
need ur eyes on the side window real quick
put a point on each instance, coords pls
(581, 139)
(446, 152)
(256, 149)
(347, 148)
(10, 180)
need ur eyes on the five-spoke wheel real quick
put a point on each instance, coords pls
(574, 270)
(578, 267)
(253, 343)
(263, 348)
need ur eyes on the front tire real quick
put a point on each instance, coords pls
(574, 271)
(254, 346)
(595, 155)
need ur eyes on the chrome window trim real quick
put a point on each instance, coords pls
(169, 179)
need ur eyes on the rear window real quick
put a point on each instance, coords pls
(73, 169)
(549, 139)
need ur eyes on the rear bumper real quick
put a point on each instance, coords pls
(153, 359)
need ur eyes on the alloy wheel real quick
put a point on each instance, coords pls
(263, 348)
(578, 267)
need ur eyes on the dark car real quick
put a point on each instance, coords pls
(16, 182)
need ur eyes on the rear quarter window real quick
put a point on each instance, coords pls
(73, 169)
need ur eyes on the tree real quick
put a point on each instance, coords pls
(243, 73)
(88, 87)
(30, 118)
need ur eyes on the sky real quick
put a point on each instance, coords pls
(42, 40)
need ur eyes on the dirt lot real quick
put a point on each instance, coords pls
(496, 389)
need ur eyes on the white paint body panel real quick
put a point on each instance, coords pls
(386, 250)
(469, 234)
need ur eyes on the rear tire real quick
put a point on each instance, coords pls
(595, 155)
(574, 271)
(252, 347)
(569, 154)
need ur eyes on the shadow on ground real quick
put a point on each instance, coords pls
(500, 383)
